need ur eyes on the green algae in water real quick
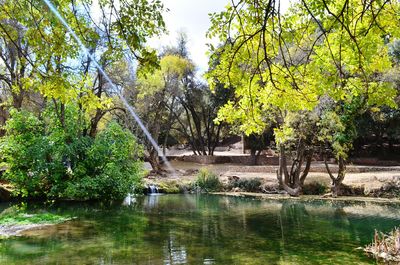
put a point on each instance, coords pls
(204, 229)
(21, 218)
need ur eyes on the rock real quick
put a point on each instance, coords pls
(270, 152)
(233, 178)
(5, 195)
(383, 255)
(191, 172)
(236, 189)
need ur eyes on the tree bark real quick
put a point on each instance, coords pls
(154, 161)
(283, 173)
(336, 181)
(292, 182)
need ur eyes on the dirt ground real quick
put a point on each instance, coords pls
(367, 178)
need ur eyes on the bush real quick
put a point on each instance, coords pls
(249, 185)
(112, 168)
(169, 187)
(315, 188)
(207, 181)
(44, 159)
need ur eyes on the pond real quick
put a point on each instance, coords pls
(203, 229)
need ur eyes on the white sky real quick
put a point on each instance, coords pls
(190, 16)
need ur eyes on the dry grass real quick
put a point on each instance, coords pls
(386, 246)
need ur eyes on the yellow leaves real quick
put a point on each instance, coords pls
(380, 61)
(298, 64)
(150, 84)
(375, 109)
(175, 65)
(172, 68)
(91, 102)
(283, 134)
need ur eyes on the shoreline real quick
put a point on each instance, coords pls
(263, 196)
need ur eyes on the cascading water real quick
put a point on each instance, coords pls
(153, 189)
(114, 87)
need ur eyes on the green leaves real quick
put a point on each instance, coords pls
(283, 65)
(48, 159)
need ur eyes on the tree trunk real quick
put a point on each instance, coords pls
(337, 181)
(169, 125)
(283, 175)
(292, 182)
(253, 157)
(154, 161)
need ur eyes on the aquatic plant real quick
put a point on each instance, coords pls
(385, 246)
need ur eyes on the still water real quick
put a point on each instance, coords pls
(203, 229)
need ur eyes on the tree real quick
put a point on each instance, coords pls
(197, 107)
(43, 69)
(155, 98)
(350, 66)
(45, 159)
(265, 59)
(283, 65)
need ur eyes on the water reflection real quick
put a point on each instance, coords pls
(203, 229)
(174, 253)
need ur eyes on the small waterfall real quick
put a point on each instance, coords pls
(153, 189)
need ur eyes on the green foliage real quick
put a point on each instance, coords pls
(207, 181)
(169, 187)
(112, 167)
(44, 158)
(284, 65)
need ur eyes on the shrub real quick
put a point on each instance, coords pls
(44, 159)
(169, 187)
(315, 188)
(112, 168)
(207, 181)
(249, 185)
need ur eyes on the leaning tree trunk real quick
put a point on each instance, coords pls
(154, 161)
(292, 182)
(336, 181)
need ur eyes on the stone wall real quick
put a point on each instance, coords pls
(243, 160)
